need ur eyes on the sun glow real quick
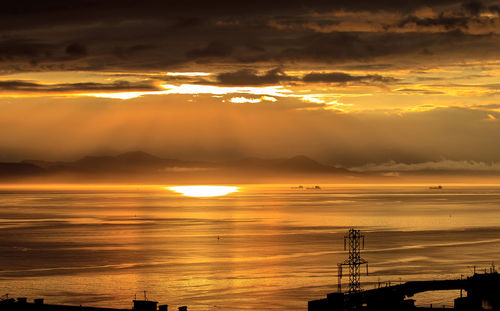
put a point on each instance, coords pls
(203, 191)
(267, 92)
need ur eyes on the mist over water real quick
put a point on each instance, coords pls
(265, 247)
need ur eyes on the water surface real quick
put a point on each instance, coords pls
(263, 248)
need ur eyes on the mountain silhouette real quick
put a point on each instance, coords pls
(144, 165)
(130, 161)
(20, 170)
(295, 164)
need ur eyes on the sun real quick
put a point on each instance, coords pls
(203, 191)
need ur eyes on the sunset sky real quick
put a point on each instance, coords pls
(361, 84)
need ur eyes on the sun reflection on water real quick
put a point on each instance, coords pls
(203, 191)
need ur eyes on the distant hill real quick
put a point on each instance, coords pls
(296, 164)
(126, 162)
(8, 170)
(141, 165)
(143, 168)
(129, 162)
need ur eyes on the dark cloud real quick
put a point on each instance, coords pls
(15, 85)
(304, 23)
(76, 50)
(85, 11)
(277, 76)
(405, 50)
(494, 9)
(186, 22)
(341, 47)
(213, 49)
(369, 67)
(15, 49)
(131, 51)
(251, 77)
(160, 35)
(468, 14)
(448, 22)
(26, 86)
(473, 8)
(342, 78)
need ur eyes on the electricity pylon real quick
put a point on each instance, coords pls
(353, 242)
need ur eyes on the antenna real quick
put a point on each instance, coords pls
(355, 242)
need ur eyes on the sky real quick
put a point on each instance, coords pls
(368, 85)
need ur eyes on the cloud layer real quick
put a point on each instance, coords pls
(388, 82)
(159, 35)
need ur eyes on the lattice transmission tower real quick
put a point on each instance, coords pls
(354, 241)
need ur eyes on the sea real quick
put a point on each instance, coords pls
(265, 247)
